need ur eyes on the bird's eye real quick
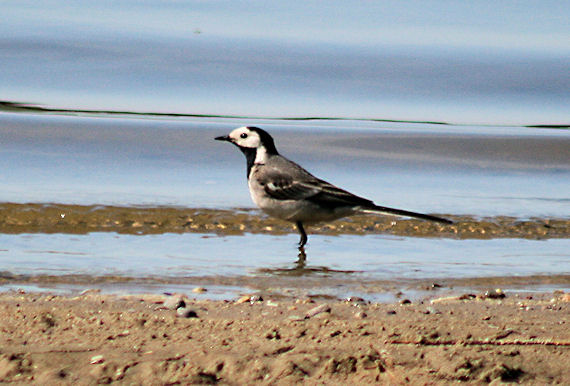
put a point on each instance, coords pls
(243, 135)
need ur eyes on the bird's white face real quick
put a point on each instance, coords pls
(255, 143)
(244, 137)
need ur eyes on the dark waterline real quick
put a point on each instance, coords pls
(30, 108)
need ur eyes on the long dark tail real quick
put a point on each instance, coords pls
(401, 212)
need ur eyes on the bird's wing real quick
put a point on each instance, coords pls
(333, 196)
(283, 187)
(285, 180)
(304, 186)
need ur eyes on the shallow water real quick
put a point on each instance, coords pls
(349, 264)
(191, 255)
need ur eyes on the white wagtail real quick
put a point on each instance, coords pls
(285, 190)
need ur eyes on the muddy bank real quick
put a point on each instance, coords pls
(77, 219)
(153, 339)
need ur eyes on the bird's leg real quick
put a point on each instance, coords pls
(304, 237)
(302, 258)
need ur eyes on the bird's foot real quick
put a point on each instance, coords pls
(302, 257)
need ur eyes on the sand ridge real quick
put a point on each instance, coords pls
(83, 219)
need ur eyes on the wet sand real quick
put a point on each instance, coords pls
(94, 338)
(78, 219)
(68, 269)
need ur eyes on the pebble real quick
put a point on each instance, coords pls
(184, 312)
(443, 299)
(405, 301)
(199, 290)
(493, 294)
(360, 315)
(91, 291)
(356, 300)
(174, 302)
(391, 312)
(432, 310)
(249, 298)
(318, 310)
(97, 359)
(273, 334)
(243, 299)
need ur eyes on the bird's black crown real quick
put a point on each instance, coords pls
(266, 139)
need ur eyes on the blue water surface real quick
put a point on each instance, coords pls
(458, 62)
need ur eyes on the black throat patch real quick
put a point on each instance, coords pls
(250, 154)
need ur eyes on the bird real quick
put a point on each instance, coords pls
(283, 189)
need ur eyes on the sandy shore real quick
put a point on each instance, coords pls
(82, 219)
(94, 338)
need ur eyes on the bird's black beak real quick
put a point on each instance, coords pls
(223, 138)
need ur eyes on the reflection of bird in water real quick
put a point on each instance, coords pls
(285, 190)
